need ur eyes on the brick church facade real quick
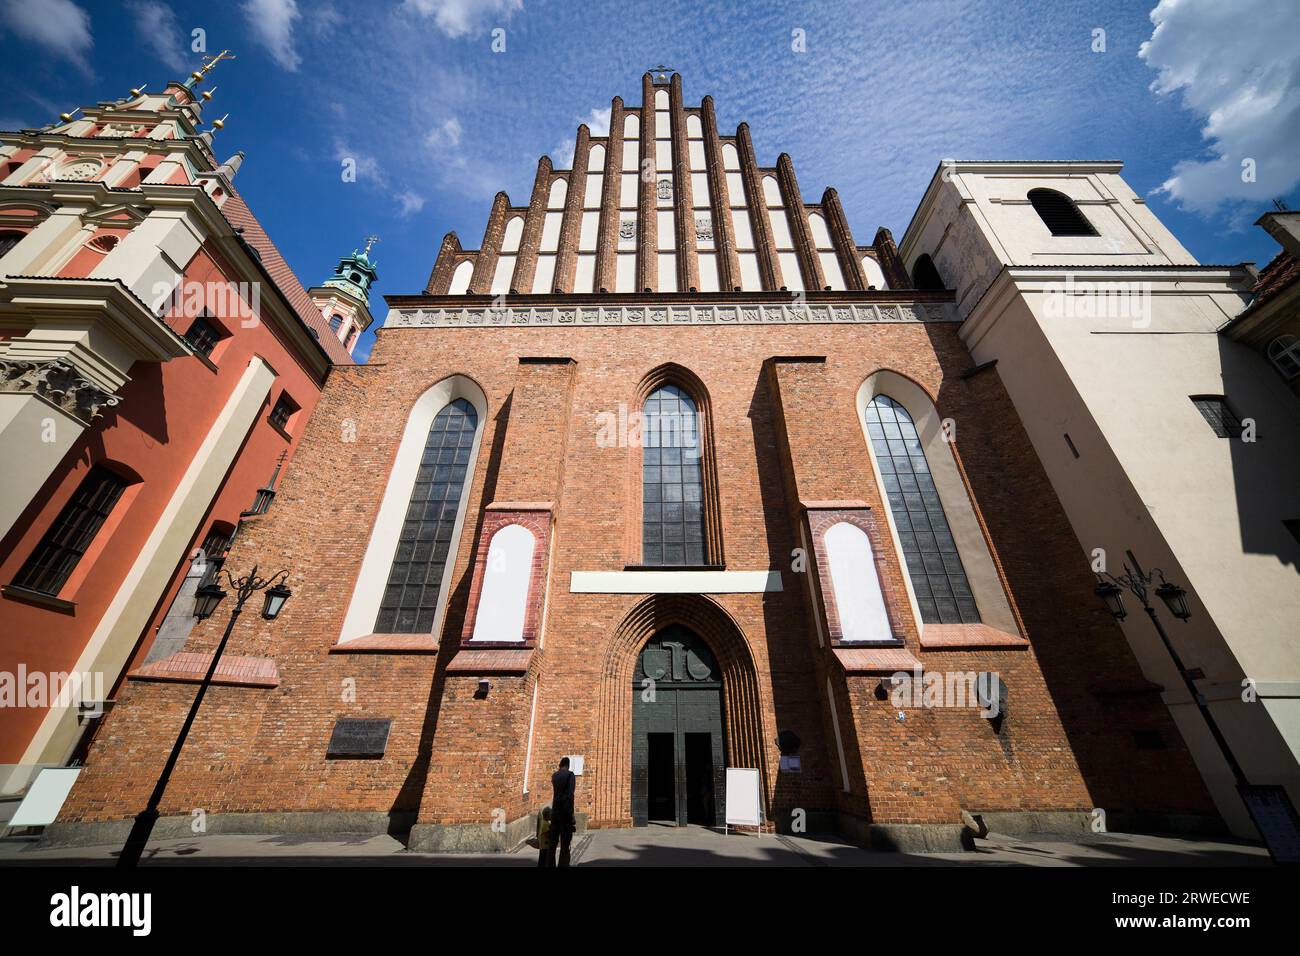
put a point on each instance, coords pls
(672, 475)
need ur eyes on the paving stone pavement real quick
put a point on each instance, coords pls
(658, 846)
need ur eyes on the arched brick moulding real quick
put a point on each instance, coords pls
(742, 698)
(673, 374)
(821, 520)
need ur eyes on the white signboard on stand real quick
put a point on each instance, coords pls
(744, 804)
(45, 797)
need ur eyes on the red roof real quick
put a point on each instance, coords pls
(1278, 275)
(240, 216)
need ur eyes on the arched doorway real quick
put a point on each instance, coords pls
(742, 709)
(678, 749)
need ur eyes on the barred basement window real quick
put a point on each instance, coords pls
(410, 600)
(54, 559)
(203, 336)
(672, 528)
(933, 564)
(283, 411)
(1214, 409)
(1059, 213)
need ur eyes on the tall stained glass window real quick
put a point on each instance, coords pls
(411, 598)
(933, 564)
(672, 530)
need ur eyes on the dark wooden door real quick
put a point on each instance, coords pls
(678, 750)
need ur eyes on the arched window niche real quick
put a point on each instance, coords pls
(992, 607)
(502, 610)
(855, 582)
(393, 540)
(1060, 214)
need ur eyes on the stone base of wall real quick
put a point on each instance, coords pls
(477, 837)
(326, 824)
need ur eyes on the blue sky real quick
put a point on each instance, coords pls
(437, 122)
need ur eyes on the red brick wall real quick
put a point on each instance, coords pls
(456, 758)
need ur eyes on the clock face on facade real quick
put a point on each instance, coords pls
(83, 170)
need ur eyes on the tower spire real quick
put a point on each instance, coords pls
(208, 63)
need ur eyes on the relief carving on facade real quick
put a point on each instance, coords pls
(60, 383)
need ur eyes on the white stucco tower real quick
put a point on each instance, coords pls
(1167, 443)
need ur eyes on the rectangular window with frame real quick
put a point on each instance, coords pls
(1214, 409)
(284, 409)
(203, 336)
(58, 553)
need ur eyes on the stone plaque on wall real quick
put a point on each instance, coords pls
(359, 738)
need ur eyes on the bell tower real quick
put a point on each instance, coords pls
(344, 298)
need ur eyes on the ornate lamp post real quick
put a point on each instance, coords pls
(1269, 806)
(206, 600)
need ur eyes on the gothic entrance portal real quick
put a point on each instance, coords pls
(678, 751)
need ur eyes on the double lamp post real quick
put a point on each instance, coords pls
(206, 599)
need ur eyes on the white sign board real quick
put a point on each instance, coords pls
(743, 803)
(45, 797)
(576, 763)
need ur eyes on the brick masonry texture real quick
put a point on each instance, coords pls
(780, 433)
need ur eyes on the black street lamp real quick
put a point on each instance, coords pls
(1262, 798)
(205, 602)
(1139, 583)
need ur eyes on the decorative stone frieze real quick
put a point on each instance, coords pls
(772, 314)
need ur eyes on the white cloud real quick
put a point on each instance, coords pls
(156, 23)
(60, 26)
(1237, 66)
(457, 18)
(272, 24)
(409, 203)
(367, 167)
(598, 122)
(325, 20)
(562, 154)
(446, 135)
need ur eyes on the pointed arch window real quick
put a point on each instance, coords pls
(934, 566)
(410, 600)
(925, 276)
(1059, 213)
(672, 480)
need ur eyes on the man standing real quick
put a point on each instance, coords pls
(563, 785)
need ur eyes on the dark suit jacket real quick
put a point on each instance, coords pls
(563, 785)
